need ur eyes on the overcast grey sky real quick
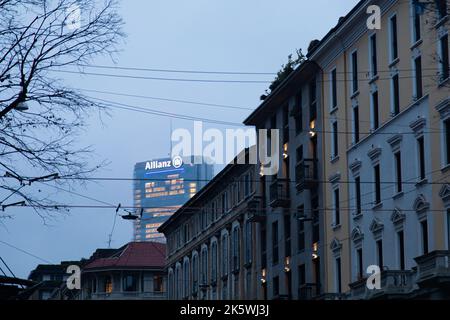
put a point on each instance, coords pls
(216, 35)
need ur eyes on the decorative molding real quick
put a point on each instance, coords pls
(374, 153)
(420, 204)
(376, 226)
(357, 235)
(335, 246)
(443, 108)
(397, 217)
(418, 125)
(335, 178)
(444, 193)
(395, 141)
(355, 166)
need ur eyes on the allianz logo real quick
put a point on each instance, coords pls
(176, 162)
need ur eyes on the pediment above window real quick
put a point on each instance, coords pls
(355, 166)
(395, 141)
(335, 245)
(376, 226)
(418, 125)
(420, 204)
(374, 153)
(397, 216)
(444, 108)
(445, 192)
(357, 235)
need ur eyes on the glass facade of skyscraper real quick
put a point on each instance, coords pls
(161, 186)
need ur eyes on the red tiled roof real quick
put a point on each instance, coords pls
(134, 254)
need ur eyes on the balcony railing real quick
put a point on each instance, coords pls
(124, 295)
(395, 284)
(279, 194)
(256, 214)
(433, 269)
(306, 174)
(308, 291)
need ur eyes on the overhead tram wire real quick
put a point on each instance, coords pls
(229, 180)
(161, 70)
(112, 75)
(163, 79)
(166, 99)
(175, 70)
(129, 107)
(25, 252)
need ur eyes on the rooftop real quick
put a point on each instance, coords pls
(133, 255)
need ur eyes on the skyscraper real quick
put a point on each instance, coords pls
(161, 186)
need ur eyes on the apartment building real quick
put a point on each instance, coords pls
(290, 221)
(211, 240)
(386, 120)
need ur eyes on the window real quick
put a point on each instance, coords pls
(373, 55)
(447, 141)
(375, 111)
(441, 6)
(299, 154)
(301, 228)
(424, 227)
(195, 274)
(235, 249)
(224, 255)
(275, 242)
(337, 214)
(418, 77)
(287, 235)
(421, 160)
(393, 38)
(263, 247)
(158, 284)
(359, 259)
(416, 23)
(338, 275)
(448, 229)
(401, 247)
(247, 185)
(204, 267)
(248, 241)
(444, 57)
(377, 179)
(130, 283)
(358, 195)
(398, 172)
(186, 278)
(298, 113)
(276, 286)
(356, 124)
(354, 64)
(301, 275)
(224, 202)
(395, 98)
(335, 145)
(333, 89)
(379, 246)
(312, 100)
(214, 262)
(108, 285)
(285, 123)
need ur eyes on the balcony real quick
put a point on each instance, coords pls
(433, 269)
(279, 194)
(308, 291)
(306, 174)
(395, 284)
(255, 213)
(122, 295)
